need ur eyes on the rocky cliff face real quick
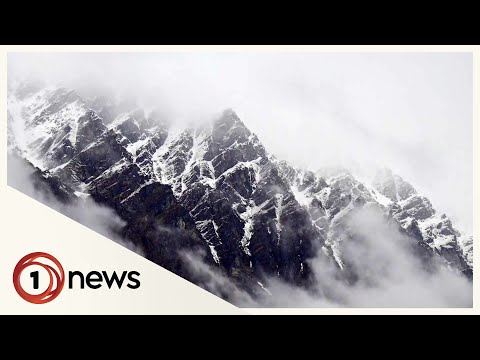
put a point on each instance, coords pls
(212, 189)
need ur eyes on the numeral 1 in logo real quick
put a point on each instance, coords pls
(34, 276)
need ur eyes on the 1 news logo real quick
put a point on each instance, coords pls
(48, 263)
(29, 288)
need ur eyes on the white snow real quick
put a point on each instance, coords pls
(121, 119)
(439, 240)
(59, 167)
(325, 194)
(334, 245)
(24, 112)
(160, 168)
(278, 213)
(342, 213)
(380, 198)
(81, 194)
(216, 258)
(241, 165)
(31, 133)
(197, 152)
(407, 221)
(67, 115)
(247, 216)
(202, 226)
(264, 288)
(137, 191)
(133, 147)
(215, 227)
(91, 145)
(466, 245)
(300, 196)
(119, 165)
(404, 202)
(74, 131)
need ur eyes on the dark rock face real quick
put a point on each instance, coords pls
(94, 160)
(418, 207)
(129, 128)
(90, 127)
(162, 227)
(214, 191)
(115, 188)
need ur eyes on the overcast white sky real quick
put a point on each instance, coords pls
(411, 112)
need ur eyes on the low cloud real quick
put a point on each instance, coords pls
(388, 273)
(213, 280)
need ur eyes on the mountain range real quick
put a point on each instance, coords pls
(213, 190)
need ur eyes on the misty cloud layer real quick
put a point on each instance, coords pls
(411, 112)
(391, 274)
